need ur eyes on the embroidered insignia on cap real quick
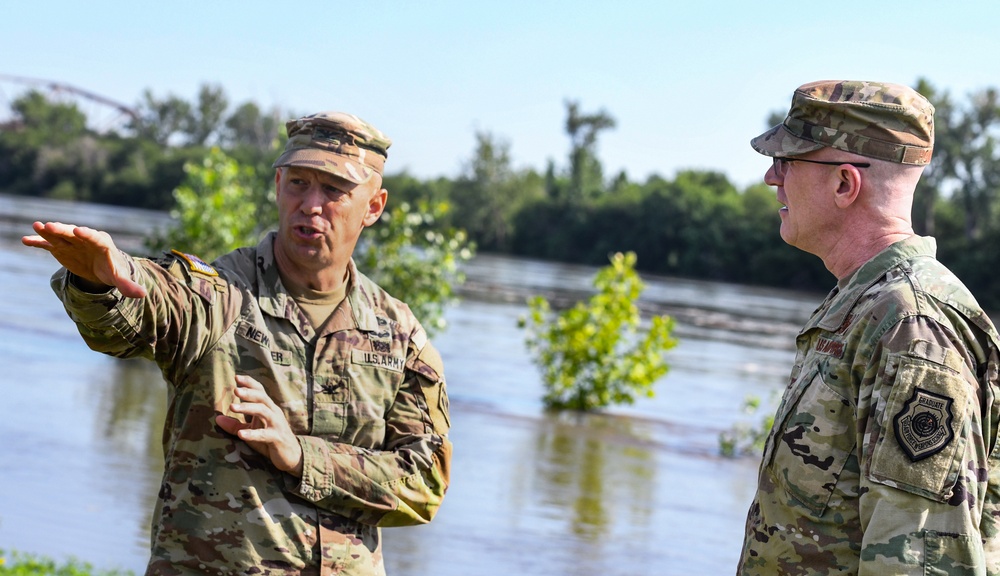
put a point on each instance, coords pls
(196, 264)
(923, 426)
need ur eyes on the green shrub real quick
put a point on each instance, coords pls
(409, 256)
(16, 563)
(591, 355)
(216, 209)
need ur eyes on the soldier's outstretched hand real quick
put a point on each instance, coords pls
(89, 254)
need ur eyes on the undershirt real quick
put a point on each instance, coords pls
(317, 306)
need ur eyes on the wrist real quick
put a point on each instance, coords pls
(88, 286)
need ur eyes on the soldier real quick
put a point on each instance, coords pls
(307, 408)
(881, 459)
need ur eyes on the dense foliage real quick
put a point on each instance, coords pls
(413, 259)
(216, 209)
(593, 355)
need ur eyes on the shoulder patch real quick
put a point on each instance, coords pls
(196, 264)
(923, 425)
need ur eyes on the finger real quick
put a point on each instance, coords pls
(54, 231)
(261, 435)
(245, 381)
(130, 288)
(259, 411)
(253, 395)
(102, 239)
(36, 241)
(230, 424)
(250, 390)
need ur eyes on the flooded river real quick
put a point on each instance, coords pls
(636, 490)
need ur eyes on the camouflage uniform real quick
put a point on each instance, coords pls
(882, 458)
(365, 396)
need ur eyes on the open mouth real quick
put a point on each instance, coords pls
(306, 231)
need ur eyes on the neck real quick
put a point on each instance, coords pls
(851, 252)
(319, 279)
(326, 280)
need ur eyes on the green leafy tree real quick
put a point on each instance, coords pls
(206, 118)
(216, 210)
(161, 119)
(250, 127)
(490, 192)
(408, 256)
(586, 175)
(591, 355)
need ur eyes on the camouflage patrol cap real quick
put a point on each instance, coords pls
(341, 144)
(879, 120)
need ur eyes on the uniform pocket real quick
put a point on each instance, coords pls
(811, 443)
(331, 396)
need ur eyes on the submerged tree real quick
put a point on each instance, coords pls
(592, 355)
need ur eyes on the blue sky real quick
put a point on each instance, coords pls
(689, 83)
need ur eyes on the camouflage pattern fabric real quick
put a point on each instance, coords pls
(335, 142)
(882, 458)
(875, 119)
(366, 397)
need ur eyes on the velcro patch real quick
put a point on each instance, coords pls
(923, 426)
(386, 361)
(830, 347)
(196, 264)
(253, 334)
(281, 358)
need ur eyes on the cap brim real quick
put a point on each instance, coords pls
(341, 166)
(780, 143)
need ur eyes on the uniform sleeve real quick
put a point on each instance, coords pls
(179, 319)
(404, 483)
(924, 455)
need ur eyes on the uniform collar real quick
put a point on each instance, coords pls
(839, 303)
(273, 299)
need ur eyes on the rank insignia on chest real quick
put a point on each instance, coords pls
(923, 426)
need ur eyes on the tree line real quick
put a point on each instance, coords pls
(696, 224)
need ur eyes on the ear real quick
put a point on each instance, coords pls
(848, 187)
(376, 204)
(277, 183)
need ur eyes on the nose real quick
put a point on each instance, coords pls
(313, 199)
(771, 177)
